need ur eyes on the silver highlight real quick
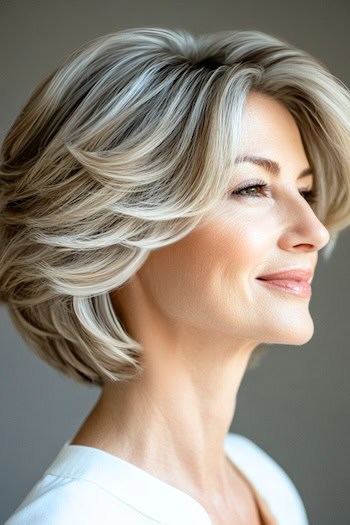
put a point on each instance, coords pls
(123, 149)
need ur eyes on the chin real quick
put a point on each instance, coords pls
(306, 339)
(293, 336)
(300, 339)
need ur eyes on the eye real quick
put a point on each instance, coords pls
(309, 195)
(250, 191)
(245, 191)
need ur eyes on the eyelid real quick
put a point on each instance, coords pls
(249, 183)
(311, 195)
(261, 182)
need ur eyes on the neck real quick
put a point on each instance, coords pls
(173, 421)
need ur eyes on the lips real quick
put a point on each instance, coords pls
(296, 275)
(300, 288)
(296, 281)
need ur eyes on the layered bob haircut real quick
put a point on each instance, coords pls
(124, 148)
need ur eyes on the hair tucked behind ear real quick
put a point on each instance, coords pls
(123, 149)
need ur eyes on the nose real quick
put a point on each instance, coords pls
(304, 230)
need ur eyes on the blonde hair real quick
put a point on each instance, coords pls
(123, 149)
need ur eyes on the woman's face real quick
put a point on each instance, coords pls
(208, 280)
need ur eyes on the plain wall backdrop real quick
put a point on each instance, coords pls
(295, 404)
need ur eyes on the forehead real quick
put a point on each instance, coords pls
(270, 131)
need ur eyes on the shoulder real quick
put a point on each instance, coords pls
(58, 500)
(268, 477)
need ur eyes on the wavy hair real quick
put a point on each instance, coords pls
(123, 149)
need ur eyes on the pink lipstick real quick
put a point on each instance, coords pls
(296, 281)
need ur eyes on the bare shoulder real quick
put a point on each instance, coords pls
(268, 477)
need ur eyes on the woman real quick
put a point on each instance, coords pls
(152, 186)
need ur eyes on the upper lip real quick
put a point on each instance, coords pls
(294, 274)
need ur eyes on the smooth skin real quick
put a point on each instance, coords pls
(199, 311)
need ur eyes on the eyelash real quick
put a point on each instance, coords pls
(310, 196)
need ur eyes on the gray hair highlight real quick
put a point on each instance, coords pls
(124, 148)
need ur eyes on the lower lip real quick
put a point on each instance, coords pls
(301, 288)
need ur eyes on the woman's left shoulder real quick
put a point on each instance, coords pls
(268, 477)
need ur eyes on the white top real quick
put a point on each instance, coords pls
(85, 485)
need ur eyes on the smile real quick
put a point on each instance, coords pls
(301, 288)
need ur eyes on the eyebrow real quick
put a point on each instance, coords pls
(270, 165)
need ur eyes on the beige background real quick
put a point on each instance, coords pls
(296, 404)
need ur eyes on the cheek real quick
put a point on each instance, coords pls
(175, 275)
(192, 277)
(238, 245)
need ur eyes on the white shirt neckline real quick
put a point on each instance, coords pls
(134, 486)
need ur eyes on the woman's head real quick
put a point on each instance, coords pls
(129, 149)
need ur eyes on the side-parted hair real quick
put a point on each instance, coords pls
(124, 148)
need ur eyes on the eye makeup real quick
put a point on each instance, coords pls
(245, 191)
